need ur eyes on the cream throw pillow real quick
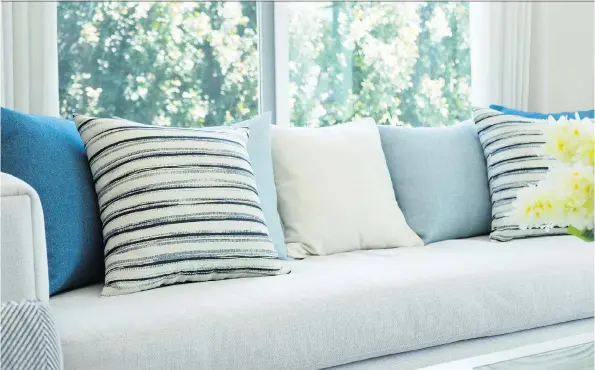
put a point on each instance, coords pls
(334, 191)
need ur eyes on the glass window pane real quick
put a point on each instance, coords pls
(184, 64)
(400, 63)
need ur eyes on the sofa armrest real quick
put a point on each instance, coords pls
(23, 252)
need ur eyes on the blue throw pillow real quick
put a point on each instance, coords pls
(440, 180)
(48, 154)
(535, 115)
(259, 150)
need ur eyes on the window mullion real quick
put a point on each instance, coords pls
(266, 50)
(281, 63)
(274, 60)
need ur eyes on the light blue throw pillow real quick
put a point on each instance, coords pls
(440, 180)
(259, 150)
(48, 154)
(536, 115)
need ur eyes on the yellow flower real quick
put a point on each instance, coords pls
(537, 207)
(570, 140)
(565, 196)
(585, 153)
(574, 188)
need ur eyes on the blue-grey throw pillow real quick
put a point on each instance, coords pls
(259, 151)
(440, 180)
(536, 115)
(48, 154)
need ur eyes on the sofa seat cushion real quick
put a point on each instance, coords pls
(333, 309)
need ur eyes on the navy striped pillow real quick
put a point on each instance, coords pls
(511, 146)
(176, 205)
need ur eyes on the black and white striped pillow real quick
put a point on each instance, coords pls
(511, 146)
(176, 205)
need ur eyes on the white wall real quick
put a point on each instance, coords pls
(562, 57)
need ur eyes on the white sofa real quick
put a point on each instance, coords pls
(349, 308)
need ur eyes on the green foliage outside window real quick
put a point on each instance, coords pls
(401, 63)
(194, 64)
(183, 64)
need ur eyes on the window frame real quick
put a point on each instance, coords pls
(273, 53)
(273, 28)
(271, 18)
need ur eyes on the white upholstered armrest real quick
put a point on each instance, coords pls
(23, 251)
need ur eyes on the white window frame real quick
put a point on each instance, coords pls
(273, 37)
(273, 30)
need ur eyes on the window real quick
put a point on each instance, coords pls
(208, 63)
(400, 63)
(172, 64)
